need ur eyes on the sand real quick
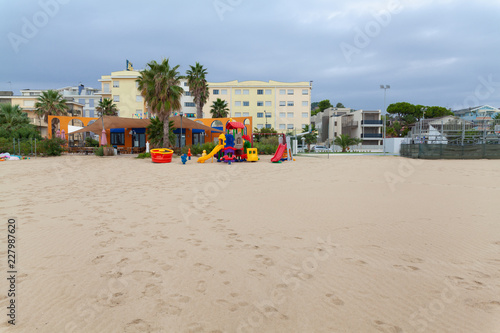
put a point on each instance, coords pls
(345, 244)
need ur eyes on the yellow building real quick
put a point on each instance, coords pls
(122, 88)
(279, 105)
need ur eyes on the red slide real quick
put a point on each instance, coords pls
(279, 153)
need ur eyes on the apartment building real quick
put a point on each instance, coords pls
(363, 124)
(86, 96)
(279, 105)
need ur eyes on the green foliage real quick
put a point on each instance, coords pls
(314, 105)
(144, 155)
(49, 103)
(198, 87)
(99, 151)
(437, 111)
(324, 104)
(345, 141)
(106, 107)
(14, 123)
(199, 148)
(497, 117)
(257, 133)
(340, 105)
(265, 149)
(52, 147)
(90, 142)
(155, 132)
(311, 137)
(408, 113)
(219, 109)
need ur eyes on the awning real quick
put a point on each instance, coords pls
(120, 122)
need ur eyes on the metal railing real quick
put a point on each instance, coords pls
(371, 122)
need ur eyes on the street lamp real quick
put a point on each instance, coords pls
(180, 138)
(385, 87)
(265, 116)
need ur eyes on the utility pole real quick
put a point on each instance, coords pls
(385, 87)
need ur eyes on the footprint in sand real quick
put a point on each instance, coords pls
(227, 305)
(151, 290)
(137, 326)
(411, 259)
(195, 328)
(169, 309)
(182, 253)
(406, 268)
(122, 262)
(264, 260)
(97, 259)
(387, 328)
(203, 267)
(332, 299)
(201, 286)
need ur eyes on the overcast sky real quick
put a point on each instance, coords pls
(431, 52)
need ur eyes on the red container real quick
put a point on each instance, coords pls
(161, 155)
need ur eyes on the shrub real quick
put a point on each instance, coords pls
(99, 151)
(90, 142)
(52, 147)
(144, 155)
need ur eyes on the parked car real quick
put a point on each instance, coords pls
(318, 149)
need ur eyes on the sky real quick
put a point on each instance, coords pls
(430, 52)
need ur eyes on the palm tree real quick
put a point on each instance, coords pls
(106, 107)
(344, 141)
(12, 115)
(160, 86)
(198, 87)
(155, 132)
(311, 136)
(50, 103)
(219, 109)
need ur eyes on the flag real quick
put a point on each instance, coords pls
(129, 66)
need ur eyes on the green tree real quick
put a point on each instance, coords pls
(437, 111)
(155, 132)
(340, 105)
(198, 87)
(50, 103)
(257, 133)
(14, 123)
(106, 107)
(314, 105)
(219, 109)
(497, 117)
(344, 141)
(404, 111)
(311, 137)
(159, 84)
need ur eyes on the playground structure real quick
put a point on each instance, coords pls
(232, 147)
(161, 155)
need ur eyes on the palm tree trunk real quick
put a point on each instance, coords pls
(199, 111)
(166, 140)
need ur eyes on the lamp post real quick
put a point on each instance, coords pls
(265, 116)
(385, 87)
(180, 137)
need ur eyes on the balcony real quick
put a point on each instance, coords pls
(371, 122)
(371, 135)
(353, 123)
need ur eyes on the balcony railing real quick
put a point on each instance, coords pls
(371, 122)
(371, 135)
(350, 124)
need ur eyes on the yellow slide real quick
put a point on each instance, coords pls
(212, 153)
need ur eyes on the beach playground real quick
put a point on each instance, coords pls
(338, 244)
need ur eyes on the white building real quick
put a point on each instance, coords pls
(86, 96)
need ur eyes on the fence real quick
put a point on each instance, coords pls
(24, 147)
(451, 151)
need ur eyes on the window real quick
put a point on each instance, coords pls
(260, 92)
(260, 126)
(268, 115)
(91, 103)
(246, 91)
(305, 103)
(305, 92)
(290, 91)
(282, 114)
(260, 103)
(289, 114)
(137, 84)
(246, 103)
(282, 126)
(117, 138)
(116, 84)
(105, 87)
(116, 98)
(260, 115)
(29, 103)
(223, 92)
(269, 103)
(237, 103)
(282, 92)
(289, 103)
(189, 104)
(187, 93)
(185, 84)
(246, 114)
(268, 92)
(268, 125)
(289, 126)
(237, 92)
(237, 114)
(216, 91)
(81, 101)
(138, 98)
(306, 115)
(282, 103)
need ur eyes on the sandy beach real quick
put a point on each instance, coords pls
(345, 244)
